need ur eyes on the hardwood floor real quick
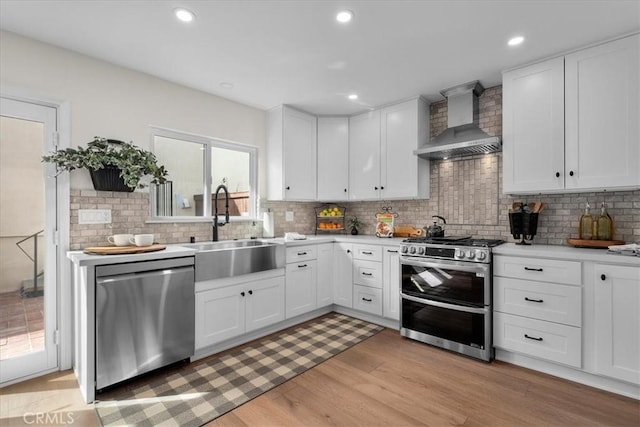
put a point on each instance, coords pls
(386, 380)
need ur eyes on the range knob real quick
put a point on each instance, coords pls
(404, 249)
(482, 255)
(471, 254)
(412, 250)
(459, 254)
(421, 251)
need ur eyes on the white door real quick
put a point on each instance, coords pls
(333, 158)
(391, 282)
(264, 302)
(324, 276)
(27, 228)
(300, 136)
(364, 156)
(301, 288)
(343, 274)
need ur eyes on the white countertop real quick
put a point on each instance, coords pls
(341, 238)
(565, 252)
(172, 251)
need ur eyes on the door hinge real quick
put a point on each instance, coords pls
(56, 140)
(56, 337)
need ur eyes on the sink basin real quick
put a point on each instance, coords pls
(217, 260)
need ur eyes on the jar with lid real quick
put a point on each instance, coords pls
(604, 224)
(586, 224)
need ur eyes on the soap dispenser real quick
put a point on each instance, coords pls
(585, 227)
(604, 224)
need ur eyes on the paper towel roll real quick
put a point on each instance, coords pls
(268, 229)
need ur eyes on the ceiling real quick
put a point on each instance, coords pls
(295, 52)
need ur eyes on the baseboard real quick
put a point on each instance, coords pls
(378, 320)
(571, 374)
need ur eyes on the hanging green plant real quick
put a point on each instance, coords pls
(107, 154)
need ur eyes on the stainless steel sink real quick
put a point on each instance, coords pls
(217, 260)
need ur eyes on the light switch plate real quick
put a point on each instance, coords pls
(94, 216)
(288, 216)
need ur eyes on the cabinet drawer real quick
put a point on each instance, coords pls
(367, 273)
(536, 338)
(538, 300)
(367, 299)
(542, 270)
(367, 252)
(301, 253)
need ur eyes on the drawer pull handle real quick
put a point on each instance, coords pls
(533, 300)
(367, 253)
(250, 292)
(366, 299)
(301, 253)
(603, 277)
(242, 293)
(533, 269)
(367, 274)
(392, 252)
(533, 338)
(302, 265)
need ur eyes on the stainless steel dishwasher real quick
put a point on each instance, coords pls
(145, 317)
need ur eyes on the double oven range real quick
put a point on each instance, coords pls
(446, 293)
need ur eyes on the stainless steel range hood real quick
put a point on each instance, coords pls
(463, 136)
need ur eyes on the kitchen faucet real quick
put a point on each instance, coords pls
(216, 224)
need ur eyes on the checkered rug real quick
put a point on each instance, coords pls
(200, 392)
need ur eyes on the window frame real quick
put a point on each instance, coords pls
(208, 143)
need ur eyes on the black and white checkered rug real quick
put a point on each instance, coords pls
(201, 392)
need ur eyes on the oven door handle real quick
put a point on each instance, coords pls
(445, 264)
(455, 307)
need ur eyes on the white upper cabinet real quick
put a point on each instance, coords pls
(602, 89)
(403, 128)
(571, 123)
(381, 145)
(364, 156)
(291, 155)
(333, 158)
(533, 127)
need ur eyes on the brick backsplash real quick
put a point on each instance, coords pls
(468, 192)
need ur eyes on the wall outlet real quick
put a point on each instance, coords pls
(288, 216)
(94, 216)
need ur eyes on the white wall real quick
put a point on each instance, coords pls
(118, 103)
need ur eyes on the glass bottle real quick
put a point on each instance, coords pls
(585, 227)
(604, 224)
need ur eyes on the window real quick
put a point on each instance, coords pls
(197, 166)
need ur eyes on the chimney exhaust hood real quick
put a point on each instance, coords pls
(463, 136)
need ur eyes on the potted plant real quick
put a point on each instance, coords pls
(113, 165)
(353, 224)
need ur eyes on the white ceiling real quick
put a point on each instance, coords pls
(294, 52)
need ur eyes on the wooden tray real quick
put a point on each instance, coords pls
(121, 250)
(602, 244)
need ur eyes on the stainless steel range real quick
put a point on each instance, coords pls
(446, 293)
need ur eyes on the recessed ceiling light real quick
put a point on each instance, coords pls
(344, 16)
(184, 15)
(353, 97)
(226, 85)
(515, 41)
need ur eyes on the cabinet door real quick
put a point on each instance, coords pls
(403, 128)
(220, 314)
(364, 156)
(603, 130)
(343, 274)
(301, 288)
(324, 276)
(617, 321)
(533, 127)
(299, 155)
(333, 158)
(391, 282)
(264, 302)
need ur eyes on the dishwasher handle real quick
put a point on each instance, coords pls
(144, 266)
(141, 275)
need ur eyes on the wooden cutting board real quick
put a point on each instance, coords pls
(121, 250)
(580, 243)
(406, 231)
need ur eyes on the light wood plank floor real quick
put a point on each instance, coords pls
(386, 380)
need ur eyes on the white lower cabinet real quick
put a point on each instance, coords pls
(301, 288)
(227, 312)
(391, 282)
(617, 321)
(343, 274)
(324, 276)
(367, 299)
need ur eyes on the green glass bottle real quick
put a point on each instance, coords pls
(604, 224)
